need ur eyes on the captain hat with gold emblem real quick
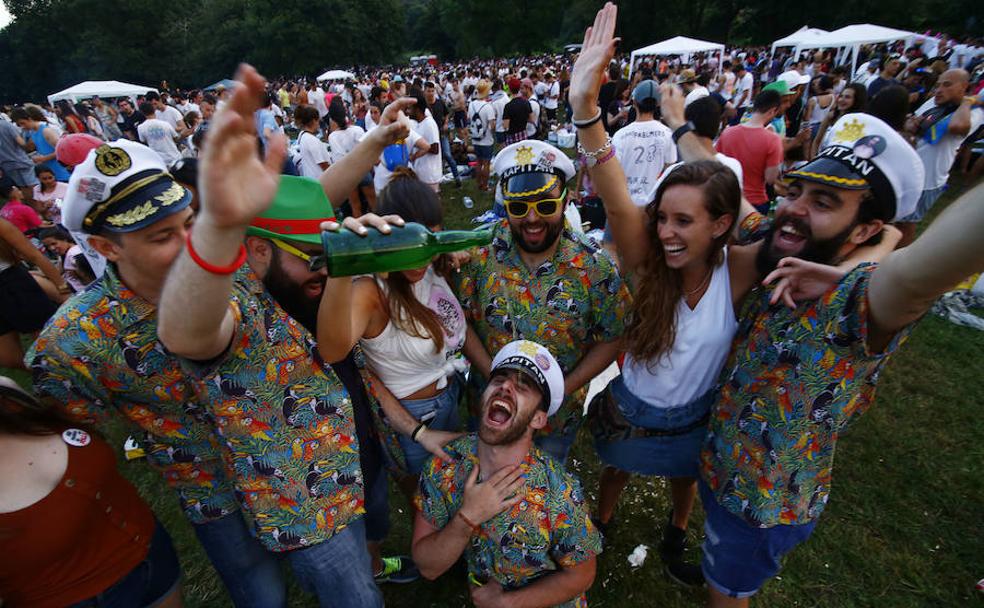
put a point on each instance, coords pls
(530, 169)
(121, 187)
(864, 152)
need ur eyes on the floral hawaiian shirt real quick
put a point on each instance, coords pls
(547, 530)
(795, 380)
(100, 353)
(568, 303)
(287, 422)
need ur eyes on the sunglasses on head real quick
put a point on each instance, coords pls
(314, 262)
(545, 207)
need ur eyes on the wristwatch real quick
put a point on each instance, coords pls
(683, 130)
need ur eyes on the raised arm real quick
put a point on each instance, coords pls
(627, 222)
(905, 286)
(342, 177)
(195, 319)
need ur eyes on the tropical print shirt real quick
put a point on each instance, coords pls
(547, 530)
(100, 353)
(568, 303)
(795, 380)
(287, 423)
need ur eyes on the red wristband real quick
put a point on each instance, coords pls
(468, 522)
(212, 268)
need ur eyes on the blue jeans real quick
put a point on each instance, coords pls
(251, 574)
(153, 578)
(446, 152)
(439, 412)
(557, 445)
(926, 201)
(338, 571)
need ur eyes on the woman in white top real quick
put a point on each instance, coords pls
(48, 193)
(411, 329)
(820, 103)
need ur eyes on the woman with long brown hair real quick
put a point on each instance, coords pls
(411, 329)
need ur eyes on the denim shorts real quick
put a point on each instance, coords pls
(673, 450)
(738, 557)
(152, 580)
(439, 412)
(926, 201)
(483, 152)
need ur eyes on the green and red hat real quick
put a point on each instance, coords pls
(296, 212)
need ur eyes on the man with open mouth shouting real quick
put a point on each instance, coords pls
(512, 509)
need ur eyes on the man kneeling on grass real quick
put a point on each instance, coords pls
(514, 511)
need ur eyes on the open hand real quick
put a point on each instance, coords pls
(671, 105)
(798, 280)
(595, 56)
(236, 184)
(434, 440)
(359, 224)
(485, 500)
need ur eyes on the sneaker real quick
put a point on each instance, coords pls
(398, 569)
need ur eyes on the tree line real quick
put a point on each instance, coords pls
(52, 44)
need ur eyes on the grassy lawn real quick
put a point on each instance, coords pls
(903, 528)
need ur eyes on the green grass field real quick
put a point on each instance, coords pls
(904, 527)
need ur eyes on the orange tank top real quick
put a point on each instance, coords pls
(80, 539)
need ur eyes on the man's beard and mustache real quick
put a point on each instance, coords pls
(821, 251)
(290, 295)
(518, 426)
(549, 238)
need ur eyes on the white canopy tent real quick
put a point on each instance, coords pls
(101, 88)
(804, 34)
(853, 36)
(678, 45)
(336, 75)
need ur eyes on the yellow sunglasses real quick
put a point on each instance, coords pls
(545, 207)
(314, 262)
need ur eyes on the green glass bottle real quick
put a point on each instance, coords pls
(406, 248)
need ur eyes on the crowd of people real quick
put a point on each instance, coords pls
(749, 265)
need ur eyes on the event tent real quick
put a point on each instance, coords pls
(853, 36)
(678, 45)
(225, 83)
(336, 75)
(102, 88)
(802, 35)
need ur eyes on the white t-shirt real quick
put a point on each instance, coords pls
(71, 268)
(937, 158)
(159, 137)
(703, 339)
(482, 111)
(381, 174)
(499, 101)
(551, 95)
(728, 88)
(313, 152)
(429, 167)
(731, 163)
(316, 98)
(170, 115)
(698, 92)
(343, 141)
(531, 127)
(644, 149)
(745, 83)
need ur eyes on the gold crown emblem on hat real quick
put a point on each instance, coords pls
(112, 161)
(527, 348)
(524, 155)
(852, 130)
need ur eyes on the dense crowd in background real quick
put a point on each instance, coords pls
(277, 401)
